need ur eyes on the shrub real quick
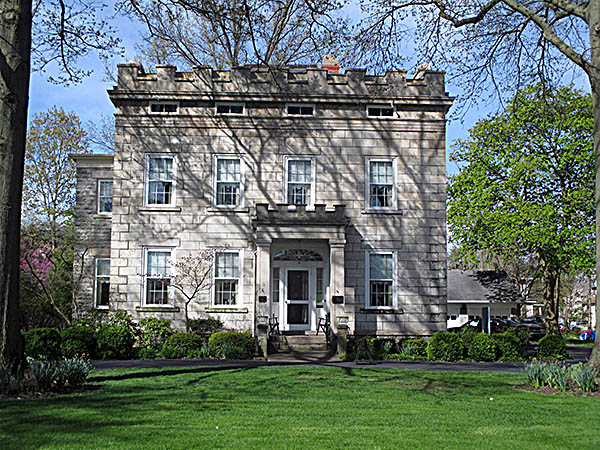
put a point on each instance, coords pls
(202, 353)
(78, 341)
(243, 340)
(44, 372)
(445, 346)
(42, 342)
(522, 336)
(5, 378)
(115, 342)
(536, 373)
(154, 332)
(56, 374)
(509, 346)
(584, 376)
(481, 347)
(147, 353)
(553, 346)
(557, 376)
(381, 347)
(230, 351)
(205, 326)
(420, 346)
(179, 345)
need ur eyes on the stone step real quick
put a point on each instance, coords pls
(304, 357)
(300, 343)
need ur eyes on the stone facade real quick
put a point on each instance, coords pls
(285, 252)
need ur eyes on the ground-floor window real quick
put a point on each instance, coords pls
(227, 276)
(380, 279)
(158, 269)
(102, 283)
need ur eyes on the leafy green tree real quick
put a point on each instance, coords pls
(526, 186)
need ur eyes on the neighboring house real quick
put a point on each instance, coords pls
(469, 291)
(321, 193)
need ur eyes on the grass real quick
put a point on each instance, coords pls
(301, 407)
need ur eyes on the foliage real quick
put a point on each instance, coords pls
(56, 374)
(553, 346)
(147, 353)
(42, 342)
(205, 326)
(526, 185)
(202, 353)
(78, 341)
(557, 376)
(5, 378)
(509, 346)
(481, 347)
(381, 347)
(179, 345)
(536, 373)
(419, 344)
(445, 346)
(245, 341)
(230, 351)
(584, 376)
(522, 335)
(153, 332)
(115, 342)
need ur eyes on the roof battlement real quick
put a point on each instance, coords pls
(258, 80)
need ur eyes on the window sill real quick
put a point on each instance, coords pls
(166, 308)
(224, 210)
(226, 310)
(392, 212)
(102, 308)
(159, 209)
(102, 216)
(382, 310)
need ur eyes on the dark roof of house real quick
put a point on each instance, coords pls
(492, 286)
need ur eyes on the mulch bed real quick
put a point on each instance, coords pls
(572, 390)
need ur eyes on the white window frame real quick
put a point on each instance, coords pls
(368, 253)
(98, 203)
(230, 104)
(96, 277)
(240, 293)
(381, 105)
(301, 105)
(163, 102)
(368, 161)
(171, 291)
(313, 177)
(215, 181)
(147, 180)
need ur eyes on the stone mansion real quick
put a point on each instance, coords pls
(322, 194)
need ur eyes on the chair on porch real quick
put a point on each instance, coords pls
(274, 326)
(324, 324)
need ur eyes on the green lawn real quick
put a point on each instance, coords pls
(301, 407)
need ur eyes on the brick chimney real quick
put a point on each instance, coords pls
(331, 63)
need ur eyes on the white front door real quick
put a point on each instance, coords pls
(299, 295)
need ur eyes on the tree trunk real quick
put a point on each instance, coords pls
(593, 11)
(550, 300)
(15, 53)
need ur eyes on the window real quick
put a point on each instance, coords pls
(320, 288)
(300, 110)
(160, 183)
(275, 281)
(105, 195)
(380, 111)
(228, 181)
(300, 181)
(102, 283)
(230, 108)
(227, 278)
(381, 192)
(163, 107)
(380, 283)
(158, 263)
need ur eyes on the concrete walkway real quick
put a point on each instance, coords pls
(315, 359)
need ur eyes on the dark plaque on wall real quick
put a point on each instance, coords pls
(337, 299)
(262, 299)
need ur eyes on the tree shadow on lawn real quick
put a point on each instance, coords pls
(162, 372)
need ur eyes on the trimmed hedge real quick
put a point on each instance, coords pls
(481, 347)
(42, 342)
(445, 346)
(78, 341)
(115, 342)
(420, 346)
(553, 346)
(244, 341)
(509, 346)
(179, 345)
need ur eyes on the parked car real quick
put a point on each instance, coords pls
(536, 330)
(496, 325)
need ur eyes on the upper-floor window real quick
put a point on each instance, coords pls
(230, 108)
(297, 109)
(102, 276)
(381, 186)
(380, 111)
(228, 181)
(380, 283)
(300, 180)
(105, 196)
(160, 180)
(227, 278)
(158, 267)
(164, 107)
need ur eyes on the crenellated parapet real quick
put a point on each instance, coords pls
(306, 81)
